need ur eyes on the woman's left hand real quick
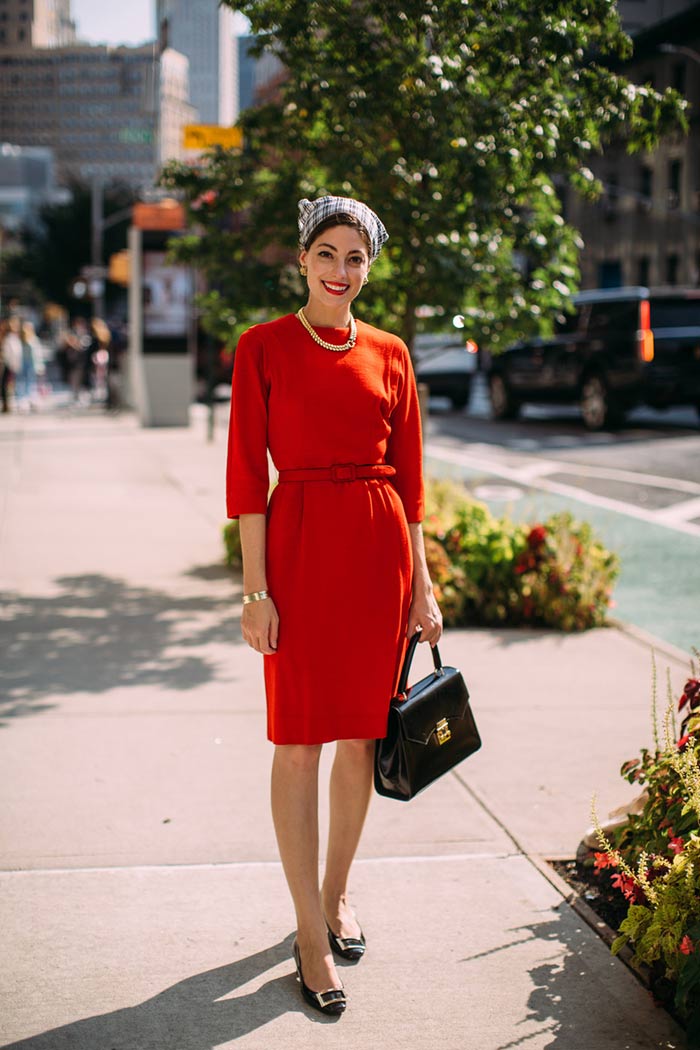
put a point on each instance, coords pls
(425, 613)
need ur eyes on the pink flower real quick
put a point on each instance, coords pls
(206, 198)
(686, 946)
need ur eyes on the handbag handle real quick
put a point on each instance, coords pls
(408, 659)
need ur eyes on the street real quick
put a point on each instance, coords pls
(639, 487)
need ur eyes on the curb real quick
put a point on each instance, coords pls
(650, 641)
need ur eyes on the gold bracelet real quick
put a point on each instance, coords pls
(255, 596)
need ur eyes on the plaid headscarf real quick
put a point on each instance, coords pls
(313, 213)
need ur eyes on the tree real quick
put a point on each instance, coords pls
(461, 127)
(51, 254)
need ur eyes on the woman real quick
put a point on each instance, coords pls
(334, 570)
(32, 367)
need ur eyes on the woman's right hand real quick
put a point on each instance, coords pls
(260, 626)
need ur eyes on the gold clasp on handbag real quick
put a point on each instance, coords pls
(442, 731)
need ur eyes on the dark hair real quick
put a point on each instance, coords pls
(341, 218)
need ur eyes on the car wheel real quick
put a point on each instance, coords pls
(503, 404)
(598, 406)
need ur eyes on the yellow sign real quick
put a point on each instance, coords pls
(119, 269)
(201, 136)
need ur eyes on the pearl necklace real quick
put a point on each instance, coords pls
(322, 342)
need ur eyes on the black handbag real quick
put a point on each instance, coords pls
(430, 729)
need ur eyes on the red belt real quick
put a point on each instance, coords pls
(339, 472)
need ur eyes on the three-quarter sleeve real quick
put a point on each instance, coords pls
(247, 472)
(404, 447)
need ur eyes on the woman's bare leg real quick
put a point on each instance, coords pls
(350, 790)
(295, 815)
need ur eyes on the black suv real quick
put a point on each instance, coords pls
(619, 349)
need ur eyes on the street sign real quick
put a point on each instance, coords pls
(159, 215)
(201, 136)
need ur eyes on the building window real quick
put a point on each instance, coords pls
(612, 192)
(610, 274)
(643, 270)
(646, 188)
(21, 34)
(675, 171)
(672, 262)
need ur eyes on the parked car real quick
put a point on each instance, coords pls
(446, 363)
(620, 348)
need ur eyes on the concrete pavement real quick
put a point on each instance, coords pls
(141, 901)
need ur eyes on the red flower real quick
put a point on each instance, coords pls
(690, 694)
(629, 888)
(686, 946)
(537, 536)
(683, 741)
(676, 845)
(603, 860)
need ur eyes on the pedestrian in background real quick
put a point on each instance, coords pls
(10, 359)
(334, 570)
(117, 350)
(98, 353)
(32, 367)
(74, 353)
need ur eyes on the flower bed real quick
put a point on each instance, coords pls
(652, 862)
(489, 571)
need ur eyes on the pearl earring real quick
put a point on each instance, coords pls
(303, 271)
(366, 280)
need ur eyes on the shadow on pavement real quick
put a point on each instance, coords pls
(560, 998)
(99, 633)
(194, 1014)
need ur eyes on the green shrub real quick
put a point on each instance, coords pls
(491, 571)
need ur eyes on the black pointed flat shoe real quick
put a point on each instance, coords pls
(332, 1003)
(349, 948)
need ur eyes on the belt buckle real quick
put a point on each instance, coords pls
(343, 472)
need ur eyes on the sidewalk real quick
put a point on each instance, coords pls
(142, 903)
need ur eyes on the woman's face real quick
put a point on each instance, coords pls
(337, 263)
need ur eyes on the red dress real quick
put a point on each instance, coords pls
(338, 553)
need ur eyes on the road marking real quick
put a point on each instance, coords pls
(684, 511)
(466, 457)
(538, 467)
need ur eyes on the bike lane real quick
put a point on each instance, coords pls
(658, 588)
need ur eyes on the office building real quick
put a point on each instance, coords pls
(26, 184)
(645, 229)
(204, 32)
(35, 23)
(112, 113)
